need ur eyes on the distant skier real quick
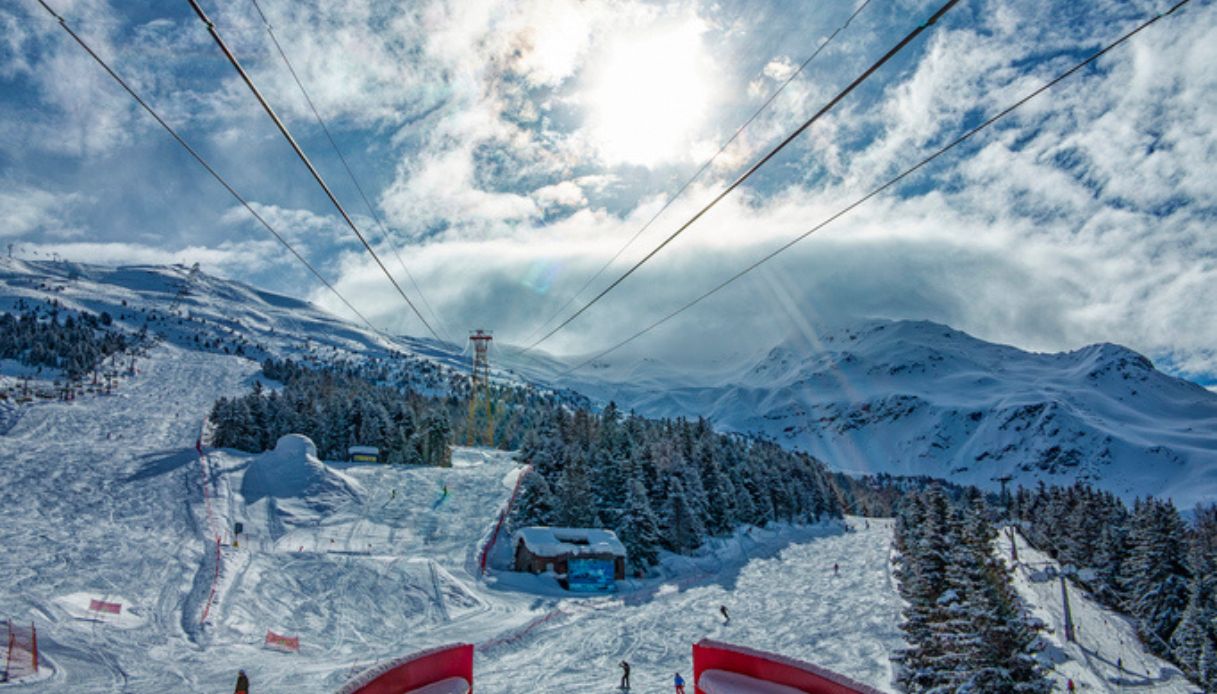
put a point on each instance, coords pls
(726, 617)
(625, 674)
(242, 683)
(1069, 686)
(835, 569)
(680, 684)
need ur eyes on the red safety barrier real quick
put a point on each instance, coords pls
(215, 579)
(20, 652)
(103, 606)
(715, 655)
(415, 671)
(503, 517)
(281, 642)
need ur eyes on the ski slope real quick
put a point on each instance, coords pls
(1107, 656)
(104, 499)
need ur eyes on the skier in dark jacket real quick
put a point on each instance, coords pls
(625, 675)
(242, 683)
(726, 617)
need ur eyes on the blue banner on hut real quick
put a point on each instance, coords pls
(583, 559)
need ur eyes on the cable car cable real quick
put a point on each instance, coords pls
(680, 191)
(199, 158)
(362, 194)
(891, 182)
(759, 163)
(215, 34)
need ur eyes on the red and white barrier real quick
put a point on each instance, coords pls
(279, 642)
(722, 667)
(99, 606)
(443, 670)
(503, 517)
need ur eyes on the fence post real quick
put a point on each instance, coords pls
(34, 642)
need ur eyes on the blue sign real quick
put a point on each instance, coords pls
(590, 575)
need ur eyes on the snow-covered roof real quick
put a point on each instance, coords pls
(366, 450)
(551, 542)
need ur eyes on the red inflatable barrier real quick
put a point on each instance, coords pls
(416, 671)
(771, 668)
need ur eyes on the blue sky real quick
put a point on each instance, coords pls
(513, 147)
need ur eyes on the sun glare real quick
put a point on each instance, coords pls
(649, 95)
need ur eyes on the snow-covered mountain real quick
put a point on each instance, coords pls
(921, 398)
(875, 396)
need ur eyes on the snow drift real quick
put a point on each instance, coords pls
(295, 483)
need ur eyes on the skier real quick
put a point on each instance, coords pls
(680, 684)
(242, 683)
(726, 617)
(1069, 686)
(625, 674)
(835, 569)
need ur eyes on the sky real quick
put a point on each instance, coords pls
(511, 148)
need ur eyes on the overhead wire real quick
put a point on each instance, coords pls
(203, 162)
(704, 167)
(755, 166)
(283, 129)
(876, 191)
(346, 165)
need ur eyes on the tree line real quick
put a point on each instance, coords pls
(966, 628)
(662, 484)
(74, 342)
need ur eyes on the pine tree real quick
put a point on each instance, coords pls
(639, 529)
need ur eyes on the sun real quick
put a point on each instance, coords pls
(649, 95)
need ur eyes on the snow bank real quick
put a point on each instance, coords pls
(296, 482)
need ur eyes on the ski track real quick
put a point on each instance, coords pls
(123, 519)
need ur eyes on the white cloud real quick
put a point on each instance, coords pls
(27, 210)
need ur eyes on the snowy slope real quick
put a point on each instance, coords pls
(921, 398)
(105, 499)
(1106, 656)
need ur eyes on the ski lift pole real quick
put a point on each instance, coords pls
(1069, 636)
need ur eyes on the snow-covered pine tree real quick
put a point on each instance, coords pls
(638, 528)
(1155, 576)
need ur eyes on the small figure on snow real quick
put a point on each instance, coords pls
(867, 524)
(680, 684)
(726, 617)
(1069, 686)
(625, 674)
(835, 569)
(242, 683)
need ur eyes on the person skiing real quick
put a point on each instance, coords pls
(625, 674)
(242, 683)
(835, 569)
(723, 610)
(680, 684)
(1069, 686)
